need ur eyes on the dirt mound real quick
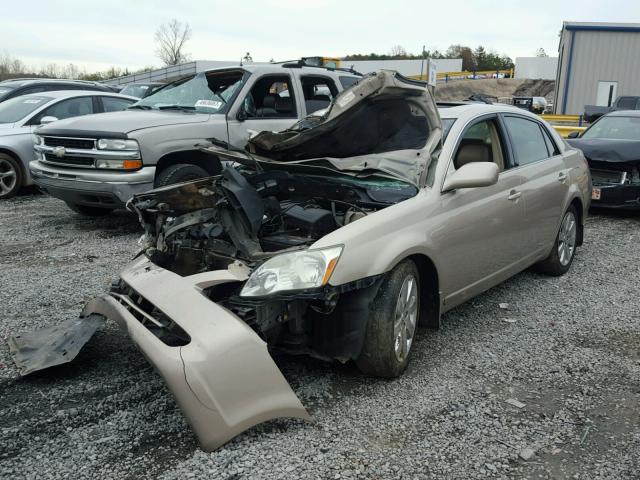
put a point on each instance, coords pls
(503, 88)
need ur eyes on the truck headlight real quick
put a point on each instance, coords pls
(37, 140)
(119, 164)
(117, 144)
(292, 271)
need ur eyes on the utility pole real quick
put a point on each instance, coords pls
(422, 62)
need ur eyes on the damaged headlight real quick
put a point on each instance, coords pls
(292, 271)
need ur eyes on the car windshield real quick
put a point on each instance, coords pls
(207, 93)
(136, 90)
(17, 108)
(620, 128)
(447, 123)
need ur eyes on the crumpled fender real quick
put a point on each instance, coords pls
(224, 379)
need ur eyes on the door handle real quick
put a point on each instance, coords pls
(562, 177)
(514, 195)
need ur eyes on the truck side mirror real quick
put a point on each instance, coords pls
(573, 135)
(242, 113)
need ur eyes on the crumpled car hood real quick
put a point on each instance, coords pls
(385, 122)
(608, 150)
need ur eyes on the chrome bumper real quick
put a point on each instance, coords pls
(83, 186)
(224, 379)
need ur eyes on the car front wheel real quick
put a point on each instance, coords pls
(392, 323)
(564, 248)
(10, 176)
(178, 173)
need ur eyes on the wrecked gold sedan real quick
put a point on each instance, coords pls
(337, 238)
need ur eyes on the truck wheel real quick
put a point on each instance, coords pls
(392, 323)
(178, 173)
(11, 176)
(89, 211)
(564, 248)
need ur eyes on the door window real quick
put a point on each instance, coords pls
(318, 92)
(114, 104)
(481, 143)
(527, 139)
(348, 81)
(271, 97)
(73, 107)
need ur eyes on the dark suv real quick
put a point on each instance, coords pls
(23, 86)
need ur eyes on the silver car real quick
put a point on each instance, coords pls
(336, 238)
(20, 116)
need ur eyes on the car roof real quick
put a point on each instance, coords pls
(278, 67)
(58, 94)
(20, 82)
(624, 113)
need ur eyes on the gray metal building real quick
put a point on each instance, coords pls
(597, 62)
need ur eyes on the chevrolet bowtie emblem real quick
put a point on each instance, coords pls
(59, 152)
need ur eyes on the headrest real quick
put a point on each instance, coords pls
(269, 101)
(472, 152)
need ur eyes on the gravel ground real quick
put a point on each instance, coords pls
(570, 352)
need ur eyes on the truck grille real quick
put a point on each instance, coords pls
(82, 143)
(84, 161)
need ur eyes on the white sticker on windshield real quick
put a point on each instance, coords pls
(345, 99)
(32, 100)
(209, 104)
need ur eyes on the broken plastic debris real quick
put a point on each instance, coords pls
(509, 320)
(504, 306)
(515, 403)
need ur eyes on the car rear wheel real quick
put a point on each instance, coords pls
(564, 248)
(392, 323)
(178, 173)
(88, 211)
(11, 177)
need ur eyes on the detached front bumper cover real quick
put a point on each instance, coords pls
(224, 379)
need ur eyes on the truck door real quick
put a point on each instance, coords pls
(272, 103)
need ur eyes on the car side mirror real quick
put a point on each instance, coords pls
(573, 135)
(473, 174)
(48, 119)
(242, 113)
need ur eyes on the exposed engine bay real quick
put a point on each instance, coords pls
(242, 214)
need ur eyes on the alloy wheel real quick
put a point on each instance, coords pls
(8, 177)
(406, 315)
(567, 238)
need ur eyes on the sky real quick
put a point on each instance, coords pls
(96, 35)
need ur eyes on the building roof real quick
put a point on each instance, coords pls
(601, 26)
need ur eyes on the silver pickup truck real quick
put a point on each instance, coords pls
(98, 162)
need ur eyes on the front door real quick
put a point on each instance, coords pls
(270, 104)
(483, 246)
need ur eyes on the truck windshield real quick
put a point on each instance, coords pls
(17, 108)
(625, 128)
(206, 93)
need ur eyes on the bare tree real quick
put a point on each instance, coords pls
(541, 53)
(397, 51)
(171, 38)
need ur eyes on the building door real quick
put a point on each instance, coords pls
(606, 94)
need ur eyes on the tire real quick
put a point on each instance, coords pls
(89, 211)
(11, 176)
(178, 173)
(564, 248)
(382, 353)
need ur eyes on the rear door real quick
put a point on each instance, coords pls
(545, 179)
(484, 245)
(272, 103)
